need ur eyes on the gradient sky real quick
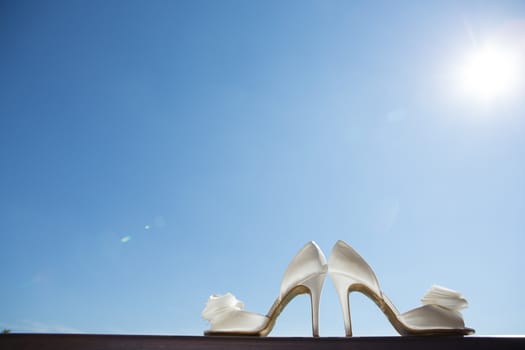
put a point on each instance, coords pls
(155, 152)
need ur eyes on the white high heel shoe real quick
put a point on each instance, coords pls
(438, 315)
(304, 275)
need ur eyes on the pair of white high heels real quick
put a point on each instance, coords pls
(439, 313)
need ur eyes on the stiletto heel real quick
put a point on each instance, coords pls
(341, 284)
(305, 275)
(438, 315)
(315, 285)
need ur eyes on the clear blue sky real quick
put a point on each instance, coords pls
(155, 152)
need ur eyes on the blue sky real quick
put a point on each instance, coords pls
(156, 152)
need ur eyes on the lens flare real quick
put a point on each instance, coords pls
(489, 73)
(125, 239)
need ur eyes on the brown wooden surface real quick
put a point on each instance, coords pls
(136, 342)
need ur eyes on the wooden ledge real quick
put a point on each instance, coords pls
(147, 342)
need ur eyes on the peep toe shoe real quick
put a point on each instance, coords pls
(305, 275)
(439, 313)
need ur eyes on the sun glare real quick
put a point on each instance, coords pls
(489, 73)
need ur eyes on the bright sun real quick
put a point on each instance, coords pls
(489, 73)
